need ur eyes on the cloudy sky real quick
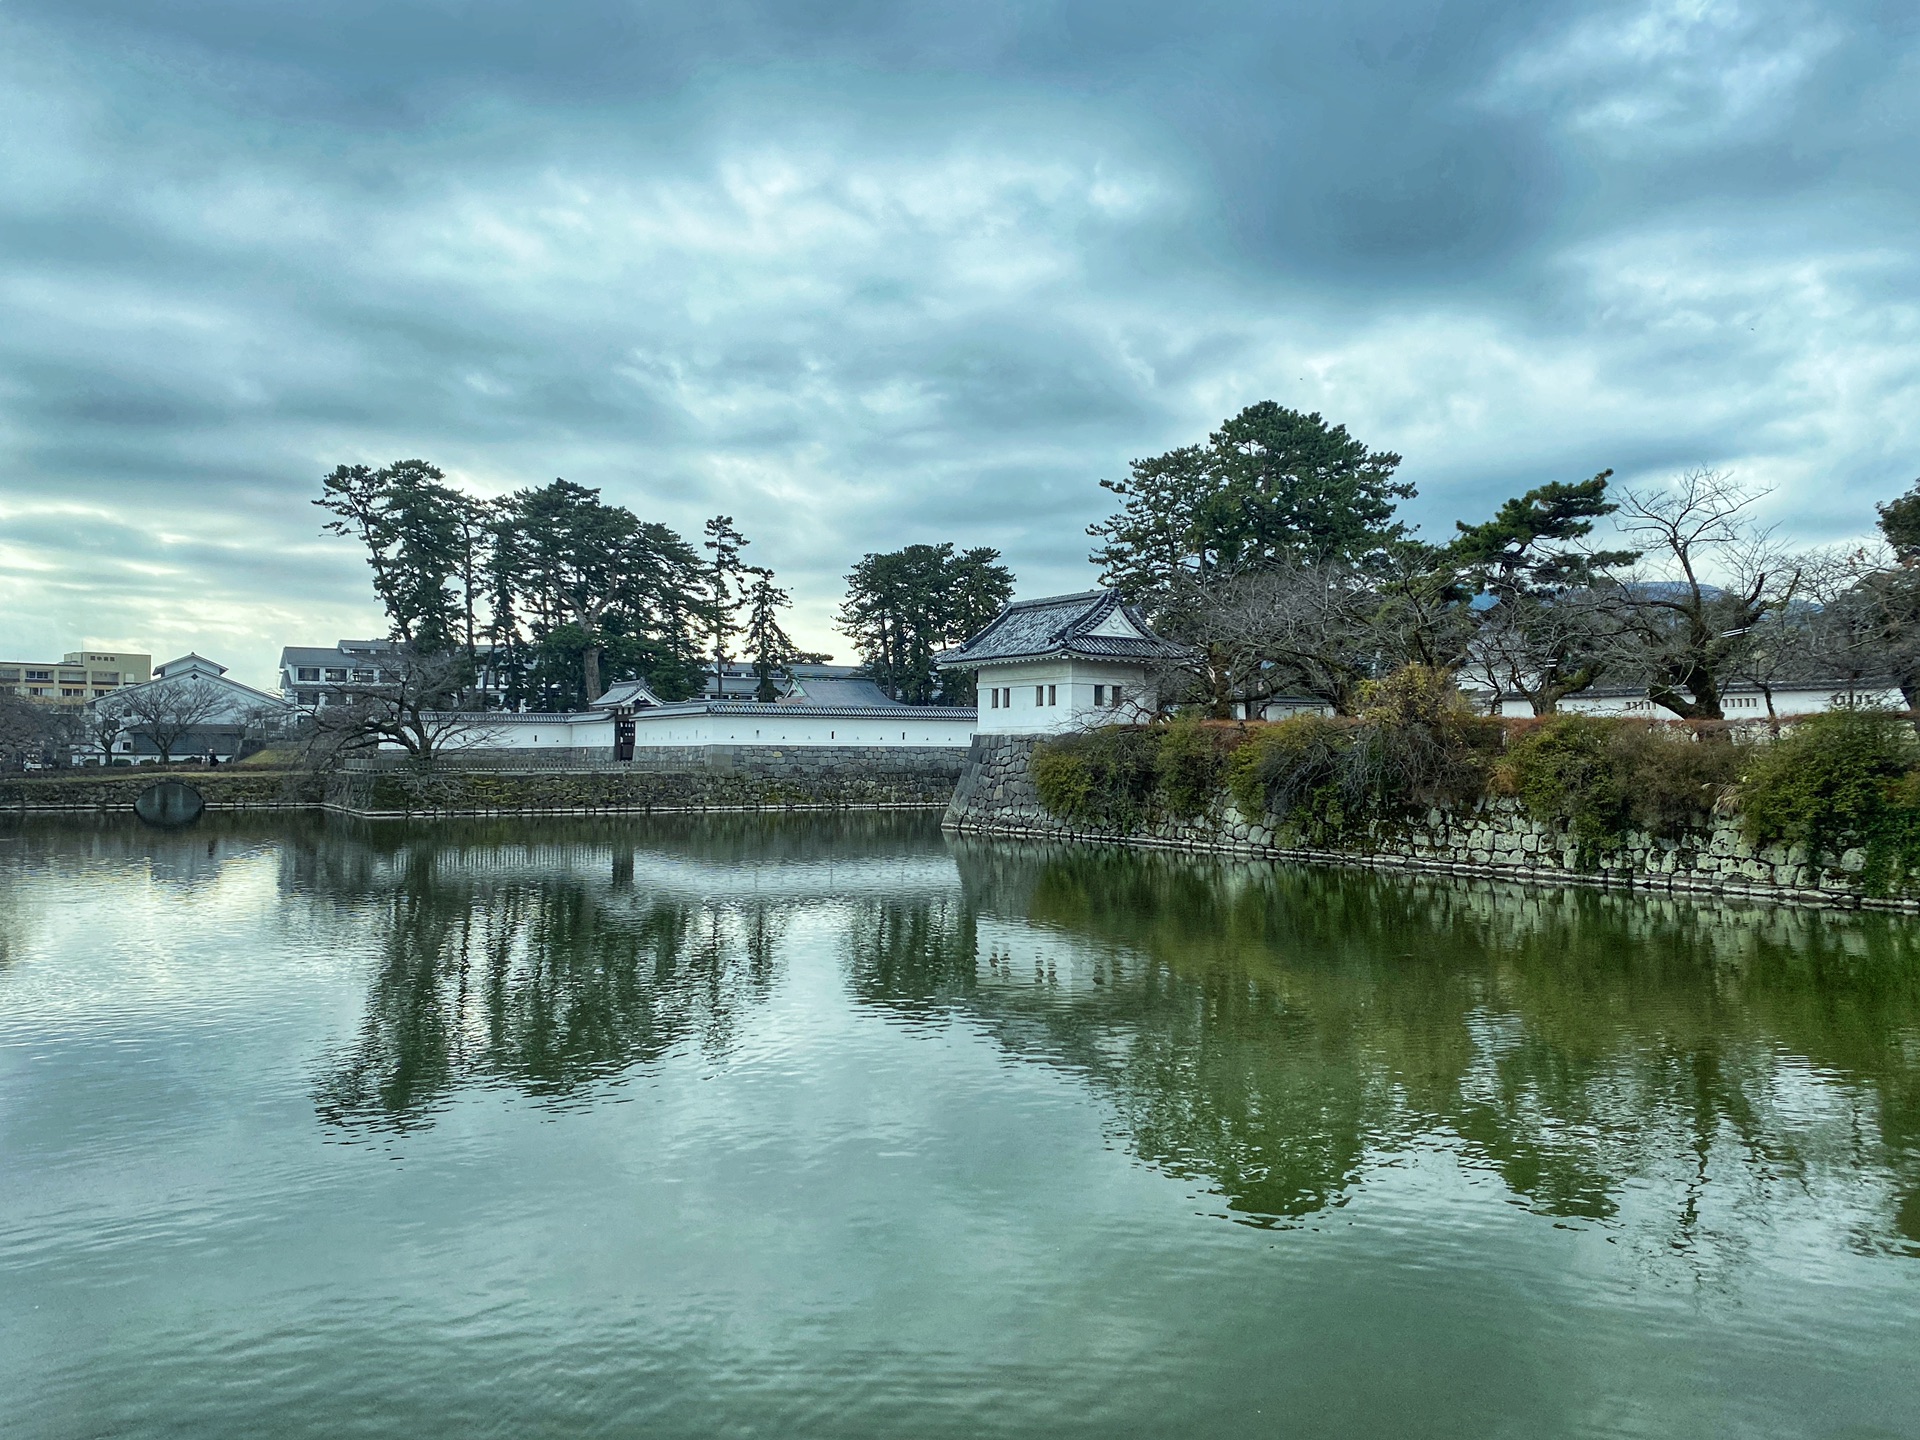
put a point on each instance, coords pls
(864, 274)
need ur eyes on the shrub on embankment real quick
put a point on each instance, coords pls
(1415, 745)
(1842, 784)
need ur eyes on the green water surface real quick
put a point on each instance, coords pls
(836, 1127)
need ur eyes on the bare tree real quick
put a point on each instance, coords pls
(29, 733)
(410, 709)
(167, 711)
(1546, 647)
(1710, 577)
(102, 725)
(1870, 620)
(1301, 627)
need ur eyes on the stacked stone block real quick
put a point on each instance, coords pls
(996, 796)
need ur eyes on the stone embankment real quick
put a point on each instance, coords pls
(87, 791)
(996, 796)
(720, 777)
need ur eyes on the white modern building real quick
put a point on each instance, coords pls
(1064, 662)
(312, 676)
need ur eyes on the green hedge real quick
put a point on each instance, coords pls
(1597, 779)
(1831, 783)
(1849, 779)
(1415, 744)
(1125, 777)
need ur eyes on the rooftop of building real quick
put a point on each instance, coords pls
(1094, 624)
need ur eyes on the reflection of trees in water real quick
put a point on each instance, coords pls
(543, 982)
(1277, 1032)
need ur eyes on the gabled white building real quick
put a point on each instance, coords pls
(1064, 662)
(214, 716)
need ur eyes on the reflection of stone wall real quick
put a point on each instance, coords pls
(996, 796)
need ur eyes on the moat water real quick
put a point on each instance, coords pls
(837, 1127)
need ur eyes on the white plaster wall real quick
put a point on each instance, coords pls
(1073, 682)
(1743, 706)
(533, 732)
(937, 728)
(693, 726)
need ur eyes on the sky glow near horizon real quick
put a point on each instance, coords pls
(864, 275)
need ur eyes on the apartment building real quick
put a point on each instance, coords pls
(312, 676)
(76, 678)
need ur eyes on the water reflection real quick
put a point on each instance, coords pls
(1280, 1035)
(1283, 1038)
(544, 987)
(553, 957)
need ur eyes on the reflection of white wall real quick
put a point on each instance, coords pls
(1044, 697)
(1018, 954)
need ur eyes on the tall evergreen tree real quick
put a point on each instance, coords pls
(726, 576)
(904, 606)
(598, 591)
(768, 645)
(1547, 633)
(1271, 487)
(419, 534)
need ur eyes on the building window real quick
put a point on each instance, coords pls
(39, 674)
(310, 674)
(337, 676)
(1099, 696)
(70, 692)
(1117, 694)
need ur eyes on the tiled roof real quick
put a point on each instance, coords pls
(636, 693)
(1060, 625)
(1731, 687)
(836, 690)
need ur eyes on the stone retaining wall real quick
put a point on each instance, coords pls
(719, 777)
(726, 777)
(996, 796)
(222, 789)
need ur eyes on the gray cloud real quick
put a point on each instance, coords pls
(865, 274)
